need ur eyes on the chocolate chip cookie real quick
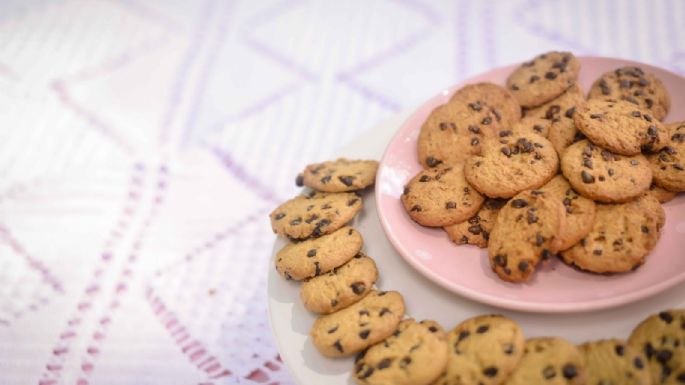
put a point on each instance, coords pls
(549, 360)
(490, 97)
(537, 126)
(543, 78)
(559, 113)
(668, 165)
(339, 175)
(476, 230)
(661, 194)
(614, 362)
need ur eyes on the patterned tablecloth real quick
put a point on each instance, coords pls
(142, 145)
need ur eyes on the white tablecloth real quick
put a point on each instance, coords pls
(142, 145)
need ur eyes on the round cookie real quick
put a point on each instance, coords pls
(634, 85)
(440, 196)
(314, 214)
(549, 361)
(603, 176)
(340, 175)
(621, 238)
(614, 362)
(476, 230)
(316, 256)
(341, 287)
(661, 194)
(544, 78)
(483, 350)
(492, 97)
(668, 165)
(453, 132)
(559, 112)
(358, 326)
(620, 126)
(528, 124)
(661, 337)
(524, 233)
(414, 355)
(579, 212)
(512, 164)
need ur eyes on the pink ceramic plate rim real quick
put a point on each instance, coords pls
(514, 304)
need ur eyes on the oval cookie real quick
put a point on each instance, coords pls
(314, 214)
(495, 99)
(354, 328)
(543, 78)
(341, 287)
(601, 175)
(340, 175)
(549, 361)
(414, 355)
(483, 350)
(512, 164)
(476, 230)
(614, 362)
(440, 196)
(559, 112)
(668, 165)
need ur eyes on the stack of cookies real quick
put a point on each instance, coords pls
(534, 170)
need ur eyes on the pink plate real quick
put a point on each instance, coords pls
(555, 287)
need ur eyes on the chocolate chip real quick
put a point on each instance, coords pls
(508, 349)
(549, 372)
(638, 363)
(570, 112)
(552, 111)
(475, 106)
(475, 230)
(486, 120)
(432, 329)
(587, 178)
(500, 260)
(311, 218)
(352, 201)
(405, 361)
(463, 334)
(550, 75)
(346, 180)
(333, 329)
(569, 371)
(432, 162)
(334, 302)
(587, 163)
(620, 350)
(514, 87)
(364, 334)
(595, 116)
(523, 266)
(539, 239)
(649, 350)
(636, 114)
(338, 346)
(311, 253)
(624, 84)
(649, 103)
(317, 272)
(490, 371)
(416, 208)
(443, 126)
(296, 221)
(326, 179)
(424, 178)
(384, 311)
(406, 190)
(546, 254)
(474, 141)
(678, 166)
(681, 377)
(367, 373)
(363, 312)
(385, 363)
(504, 133)
(647, 118)
(610, 171)
(651, 131)
(533, 79)
(666, 317)
(279, 216)
(475, 129)
(506, 151)
(663, 356)
(451, 205)
(531, 218)
(482, 329)
(519, 203)
(358, 287)
(597, 252)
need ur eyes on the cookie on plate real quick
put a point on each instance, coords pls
(341, 287)
(544, 78)
(356, 327)
(579, 212)
(491, 97)
(620, 126)
(440, 196)
(604, 176)
(339, 175)
(668, 165)
(549, 361)
(661, 337)
(314, 214)
(316, 256)
(512, 164)
(634, 85)
(414, 355)
(661, 194)
(559, 112)
(524, 233)
(614, 362)
(483, 350)
(622, 236)
(537, 126)
(476, 230)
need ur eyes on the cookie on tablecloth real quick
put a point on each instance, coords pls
(476, 230)
(668, 165)
(414, 355)
(620, 126)
(636, 86)
(559, 112)
(314, 214)
(614, 362)
(604, 176)
(483, 350)
(549, 361)
(661, 337)
(356, 327)
(339, 175)
(341, 287)
(440, 196)
(543, 78)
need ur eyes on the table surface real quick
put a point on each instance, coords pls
(142, 144)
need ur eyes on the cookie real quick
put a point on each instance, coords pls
(316, 256)
(668, 165)
(614, 362)
(414, 355)
(493, 98)
(314, 214)
(483, 350)
(537, 126)
(453, 132)
(661, 337)
(604, 176)
(543, 78)
(549, 361)
(440, 196)
(621, 238)
(661, 194)
(620, 126)
(559, 113)
(524, 233)
(579, 212)
(512, 164)
(634, 85)
(356, 327)
(340, 175)
(476, 230)
(341, 287)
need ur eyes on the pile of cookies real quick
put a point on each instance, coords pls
(536, 170)
(338, 283)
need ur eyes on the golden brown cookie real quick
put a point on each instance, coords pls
(668, 165)
(476, 230)
(544, 78)
(549, 361)
(661, 194)
(493, 98)
(339, 175)
(614, 362)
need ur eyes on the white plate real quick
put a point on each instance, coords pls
(291, 322)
